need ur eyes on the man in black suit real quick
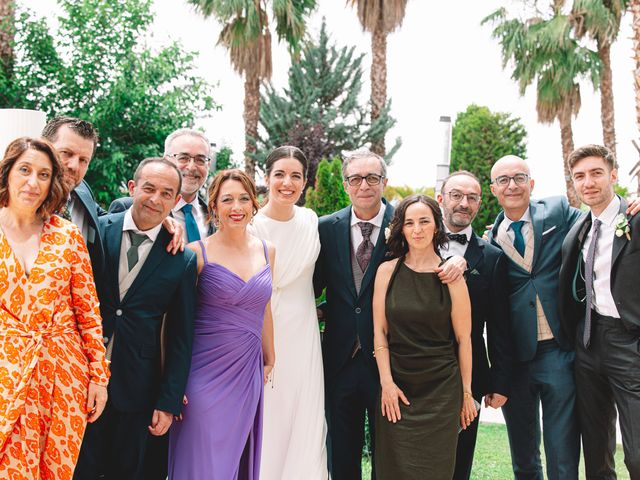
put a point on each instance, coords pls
(352, 246)
(143, 286)
(600, 309)
(190, 151)
(460, 199)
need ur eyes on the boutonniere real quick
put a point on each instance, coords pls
(622, 226)
(387, 232)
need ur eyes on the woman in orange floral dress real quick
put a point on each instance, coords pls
(53, 371)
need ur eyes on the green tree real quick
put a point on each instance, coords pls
(223, 159)
(96, 67)
(7, 32)
(479, 138)
(246, 35)
(379, 17)
(328, 194)
(320, 111)
(600, 20)
(543, 52)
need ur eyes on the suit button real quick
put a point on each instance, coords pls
(105, 340)
(532, 304)
(118, 313)
(358, 310)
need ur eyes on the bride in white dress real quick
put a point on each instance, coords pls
(294, 431)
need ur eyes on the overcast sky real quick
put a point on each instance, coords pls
(439, 61)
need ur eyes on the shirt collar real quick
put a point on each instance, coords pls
(129, 224)
(182, 203)
(525, 218)
(609, 214)
(467, 232)
(377, 220)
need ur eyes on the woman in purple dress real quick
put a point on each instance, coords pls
(220, 435)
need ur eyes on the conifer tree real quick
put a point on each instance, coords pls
(328, 194)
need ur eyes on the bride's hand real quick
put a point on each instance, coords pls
(267, 372)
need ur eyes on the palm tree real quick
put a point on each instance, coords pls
(246, 35)
(7, 30)
(380, 17)
(600, 20)
(542, 51)
(635, 11)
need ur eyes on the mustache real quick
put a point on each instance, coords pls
(462, 210)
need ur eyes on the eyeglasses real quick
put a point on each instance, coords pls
(457, 196)
(505, 180)
(184, 159)
(356, 180)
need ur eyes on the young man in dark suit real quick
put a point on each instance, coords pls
(600, 308)
(143, 286)
(352, 246)
(486, 276)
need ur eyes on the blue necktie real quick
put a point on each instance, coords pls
(190, 224)
(518, 239)
(588, 281)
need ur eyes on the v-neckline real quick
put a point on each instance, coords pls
(23, 272)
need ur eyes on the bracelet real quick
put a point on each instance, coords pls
(380, 347)
(467, 395)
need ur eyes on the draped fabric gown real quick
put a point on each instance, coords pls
(422, 445)
(220, 436)
(294, 436)
(50, 349)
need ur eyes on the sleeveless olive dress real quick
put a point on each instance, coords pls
(422, 445)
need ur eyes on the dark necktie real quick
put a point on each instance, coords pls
(132, 253)
(365, 249)
(461, 238)
(518, 239)
(193, 233)
(588, 281)
(65, 212)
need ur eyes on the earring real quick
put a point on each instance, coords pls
(216, 221)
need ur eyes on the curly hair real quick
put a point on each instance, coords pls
(397, 244)
(58, 190)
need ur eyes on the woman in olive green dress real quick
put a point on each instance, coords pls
(418, 322)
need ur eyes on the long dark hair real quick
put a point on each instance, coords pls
(397, 244)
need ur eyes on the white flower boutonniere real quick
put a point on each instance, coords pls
(387, 233)
(622, 226)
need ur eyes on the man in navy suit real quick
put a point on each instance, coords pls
(601, 313)
(352, 246)
(190, 151)
(460, 199)
(143, 291)
(531, 232)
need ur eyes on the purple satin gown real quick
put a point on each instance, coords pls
(220, 435)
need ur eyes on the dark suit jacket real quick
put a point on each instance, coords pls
(552, 218)
(124, 203)
(165, 284)
(487, 283)
(347, 315)
(94, 241)
(625, 266)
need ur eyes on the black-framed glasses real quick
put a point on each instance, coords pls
(457, 196)
(372, 179)
(184, 158)
(504, 180)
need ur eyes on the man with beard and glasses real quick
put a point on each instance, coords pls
(460, 199)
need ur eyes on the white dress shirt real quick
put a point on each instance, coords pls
(602, 298)
(143, 249)
(199, 213)
(356, 233)
(455, 248)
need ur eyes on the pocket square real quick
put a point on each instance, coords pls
(474, 272)
(549, 230)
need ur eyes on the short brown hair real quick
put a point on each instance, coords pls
(81, 127)
(161, 161)
(58, 190)
(592, 150)
(232, 174)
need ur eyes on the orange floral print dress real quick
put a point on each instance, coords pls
(50, 348)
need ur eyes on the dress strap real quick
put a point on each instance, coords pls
(204, 251)
(266, 252)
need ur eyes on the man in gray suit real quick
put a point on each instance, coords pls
(601, 313)
(530, 233)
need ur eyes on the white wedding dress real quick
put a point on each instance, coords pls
(294, 431)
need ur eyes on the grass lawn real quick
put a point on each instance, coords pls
(492, 459)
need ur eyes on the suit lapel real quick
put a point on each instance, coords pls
(537, 220)
(342, 235)
(113, 242)
(84, 194)
(474, 253)
(378, 251)
(157, 253)
(619, 242)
